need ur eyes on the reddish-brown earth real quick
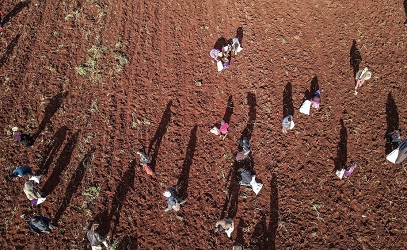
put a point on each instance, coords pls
(95, 80)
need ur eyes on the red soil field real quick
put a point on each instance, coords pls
(96, 80)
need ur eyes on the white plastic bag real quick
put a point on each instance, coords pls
(40, 200)
(229, 231)
(305, 107)
(220, 65)
(36, 179)
(392, 157)
(255, 185)
(340, 173)
(215, 131)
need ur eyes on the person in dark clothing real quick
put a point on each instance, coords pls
(25, 139)
(249, 179)
(40, 224)
(173, 200)
(244, 143)
(393, 137)
(245, 176)
(145, 161)
(95, 239)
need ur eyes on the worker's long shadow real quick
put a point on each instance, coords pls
(392, 120)
(183, 179)
(288, 106)
(9, 50)
(342, 148)
(229, 110)
(52, 149)
(129, 242)
(264, 235)
(354, 58)
(50, 110)
(62, 163)
(232, 197)
(155, 142)
(74, 184)
(119, 198)
(248, 130)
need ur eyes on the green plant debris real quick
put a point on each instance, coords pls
(91, 193)
(316, 206)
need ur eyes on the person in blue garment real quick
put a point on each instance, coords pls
(23, 171)
(40, 224)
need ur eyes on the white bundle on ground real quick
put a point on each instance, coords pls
(229, 231)
(256, 186)
(220, 65)
(36, 179)
(305, 107)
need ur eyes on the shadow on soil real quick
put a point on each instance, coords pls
(50, 110)
(74, 184)
(128, 243)
(392, 120)
(229, 110)
(119, 198)
(182, 185)
(247, 132)
(354, 58)
(239, 35)
(61, 164)
(288, 106)
(9, 50)
(159, 134)
(342, 148)
(19, 7)
(104, 224)
(251, 101)
(264, 236)
(220, 43)
(52, 149)
(239, 241)
(231, 202)
(405, 10)
(314, 86)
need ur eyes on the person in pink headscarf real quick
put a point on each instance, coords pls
(223, 127)
(222, 130)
